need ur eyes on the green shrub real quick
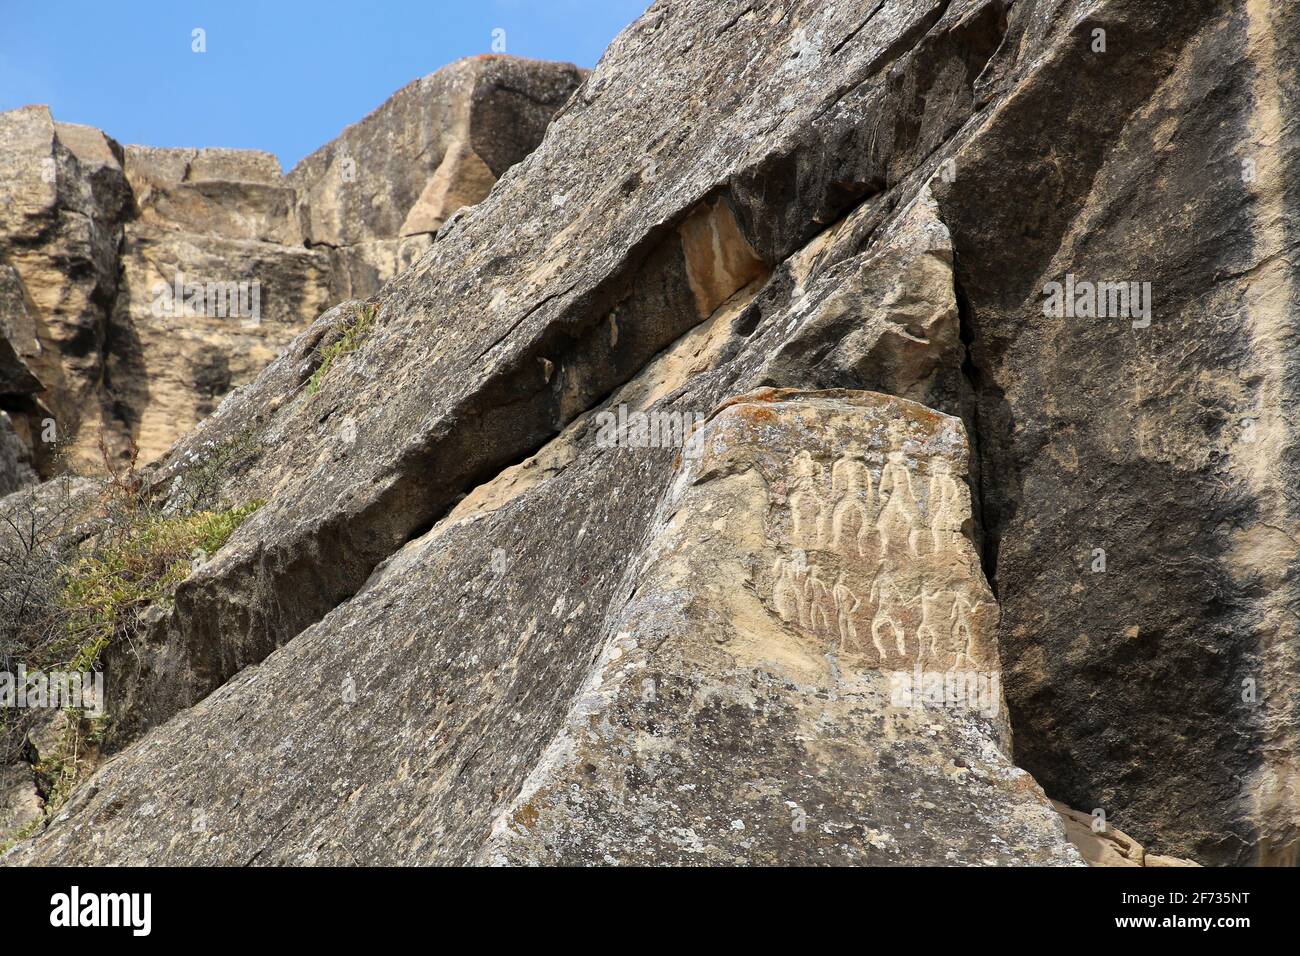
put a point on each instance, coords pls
(77, 579)
(105, 591)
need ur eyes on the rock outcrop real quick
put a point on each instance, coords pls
(1102, 845)
(1138, 463)
(64, 200)
(781, 684)
(138, 285)
(689, 497)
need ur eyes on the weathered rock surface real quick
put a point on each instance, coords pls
(433, 146)
(63, 199)
(20, 803)
(649, 217)
(752, 701)
(93, 237)
(208, 221)
(1102, 845)
(1138, 474)
(433, 642)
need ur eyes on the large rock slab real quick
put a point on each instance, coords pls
(650, 216)
(865, 196)
(807, 571)
(63, 198)
(1138, 470)
(437, 144)
(467, 722)
(622, 231)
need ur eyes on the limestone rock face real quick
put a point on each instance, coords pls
(215, 282)
(140, 285)
(759, 698)
(452, 133)
(377, 194)
(1138, 470)
(633, 521)
(64, 198)
(644, 260)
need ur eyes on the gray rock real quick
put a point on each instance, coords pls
(1138, 473)
(431, 644)
(447, 542)
(760, 695)
(15, 458)
(20, 803)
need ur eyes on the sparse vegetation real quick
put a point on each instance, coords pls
(350, 341)
(78, 569)
(142, 565)
(199, 486)
(26, 833)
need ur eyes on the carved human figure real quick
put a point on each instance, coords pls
(889, 619)
(945, 505)
(820, 603)
(962, 631)
(851, 489)
(934, 636)
(846, 606)
(807, 508)
(787, 593)
(898, 523)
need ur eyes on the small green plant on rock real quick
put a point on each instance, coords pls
(105, 591)
(349, 341)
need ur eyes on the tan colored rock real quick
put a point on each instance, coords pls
(176, 355)
(1103, 845)
(719, 260)
(462, 179)
(107, 363)
(1106, 846)
(63, 198)
(356, 271)
(434, 145)
(181, 190)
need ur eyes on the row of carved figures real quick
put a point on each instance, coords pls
(937, 626)
(857, 518)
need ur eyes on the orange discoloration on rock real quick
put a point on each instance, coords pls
(526, 816)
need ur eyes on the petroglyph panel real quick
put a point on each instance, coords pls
(867, 526)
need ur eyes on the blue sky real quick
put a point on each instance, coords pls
(280, 75)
